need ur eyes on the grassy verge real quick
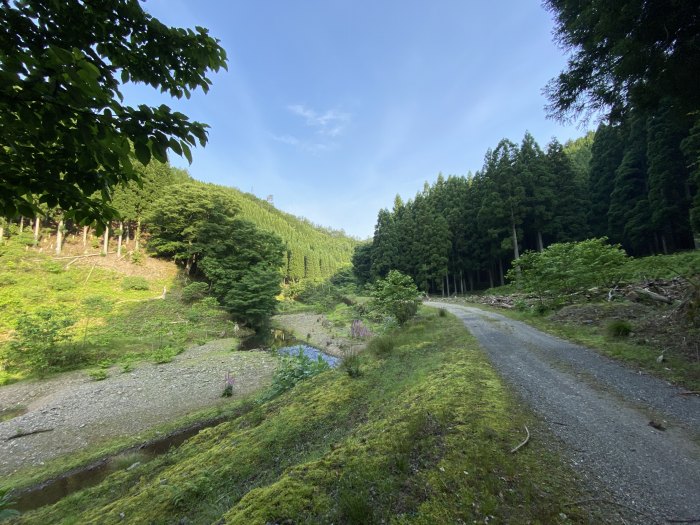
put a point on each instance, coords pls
(673, 368)
(423, 435)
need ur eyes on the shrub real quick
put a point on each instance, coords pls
(164, 355)
(62, 283)
(194, 291)
(228, 385)
(442, 312)
(618, 328)
(358, 330)
(381, 346)
(137, 257)
(135, 283)
(40, 341)
(292, 369)
(396, 295)
(98, 374)
(351, 363)
(565, 268)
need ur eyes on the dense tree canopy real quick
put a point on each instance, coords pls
(625, 54)
(462, 233)
(66, 135)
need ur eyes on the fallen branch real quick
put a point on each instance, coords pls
(653, 295)
(688, 393)
(680, 520)
(523, 443)
(28, 433)
(76, 256)
(89, 274)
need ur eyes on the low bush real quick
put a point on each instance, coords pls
(135, 283)
(618, 328)
(41, 340)
(98, 374)
(351, 363)
(194, 291)
(292, 369)
(164, 355)
(381, 346)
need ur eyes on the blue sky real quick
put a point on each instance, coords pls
(333, 107)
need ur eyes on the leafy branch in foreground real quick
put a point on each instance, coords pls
(67, 136)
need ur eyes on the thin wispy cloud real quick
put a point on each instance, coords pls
(310, 146)
(330, 123)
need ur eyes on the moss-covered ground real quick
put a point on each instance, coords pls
(423, 435)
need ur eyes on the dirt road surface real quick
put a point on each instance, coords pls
(601, 411)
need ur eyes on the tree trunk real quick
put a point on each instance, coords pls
(516, 250)
(119, 239)
(500, 271)
(447, 280)
(137, 236)
(2, 231)
(37, 226)
(454, 282)
(663, 244)
(105, 241)
(470, 276)
(490, 278)
(21, 224)
(540, 245)
(59, 237)
(85, 232)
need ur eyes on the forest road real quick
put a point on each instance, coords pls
(601, 411)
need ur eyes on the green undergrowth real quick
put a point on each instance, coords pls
(423, 435)
(113, 318)
(673, 368)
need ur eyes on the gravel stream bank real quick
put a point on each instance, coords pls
(81, 412)
(602, 411)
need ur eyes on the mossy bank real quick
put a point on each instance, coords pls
(423, 435)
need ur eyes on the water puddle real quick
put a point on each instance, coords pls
(311, 352)
(53, 490)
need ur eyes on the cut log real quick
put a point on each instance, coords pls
(653, 295)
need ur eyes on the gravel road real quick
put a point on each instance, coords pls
(601, 411)
(81, 412)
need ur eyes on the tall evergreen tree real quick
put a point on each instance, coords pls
(606, 156)
(669, 197)
(629, 217)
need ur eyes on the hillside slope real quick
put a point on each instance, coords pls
(313, 252)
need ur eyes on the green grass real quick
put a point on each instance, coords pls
(113, 323)
(422, 436)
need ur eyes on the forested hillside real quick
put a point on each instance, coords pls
(631, 182)
(310, 252)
